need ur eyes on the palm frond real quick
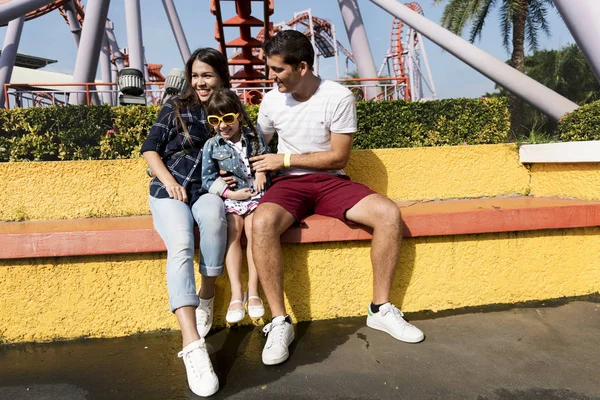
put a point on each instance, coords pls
(479, 19)
(531, 27)
(506, 18)
(458, 13)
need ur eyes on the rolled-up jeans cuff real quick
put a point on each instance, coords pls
(184, 300)
(211, 271)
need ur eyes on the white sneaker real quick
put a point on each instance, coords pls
(200, 374)
(204, 316)
(389, 319)
(280, 334)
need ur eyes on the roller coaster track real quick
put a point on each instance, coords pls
(44, 10)
(397, 49)
(324, 38)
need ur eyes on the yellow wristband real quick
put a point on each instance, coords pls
(287, 159)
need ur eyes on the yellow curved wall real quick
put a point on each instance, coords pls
(71, 297)
(84, 189)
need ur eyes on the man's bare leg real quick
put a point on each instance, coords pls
(381, 214)
(269, 222)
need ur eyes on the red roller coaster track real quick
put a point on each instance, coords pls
(397, 48)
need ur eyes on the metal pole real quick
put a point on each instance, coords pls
(105, 65)
(113, 78)
(410, 64)
(182, 43)
(582, 20)
(74, 24)
(533, 92)
(92, 33)
(430, 83)
(9, 54)
(357, 36)
(311, 28)
(337, 52)
(135, 44)
(114, 46)
(10, 10)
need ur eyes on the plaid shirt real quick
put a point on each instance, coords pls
(182, 158)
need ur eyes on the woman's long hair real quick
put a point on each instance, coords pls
(218, 62)
(225, 101)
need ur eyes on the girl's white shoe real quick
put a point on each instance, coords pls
(236, 315)
(256, 311)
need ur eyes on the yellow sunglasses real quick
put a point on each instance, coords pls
(227, 119)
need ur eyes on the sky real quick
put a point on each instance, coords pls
(49, 37)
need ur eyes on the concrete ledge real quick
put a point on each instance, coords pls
(568, 152)
(128, 235)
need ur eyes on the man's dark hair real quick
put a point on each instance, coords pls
(293, 46)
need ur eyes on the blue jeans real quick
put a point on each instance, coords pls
(174, 222)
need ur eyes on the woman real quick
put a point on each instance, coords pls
(173, 151)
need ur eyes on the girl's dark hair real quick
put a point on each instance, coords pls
(224, 101)
(218, 62)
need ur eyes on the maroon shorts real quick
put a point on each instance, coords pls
(316, 193)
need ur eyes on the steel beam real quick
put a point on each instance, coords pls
(9, 53)
(583, 20)
(549, 102)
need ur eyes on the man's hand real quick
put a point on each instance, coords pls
(260, 181)
(267, 162)
(242, 194)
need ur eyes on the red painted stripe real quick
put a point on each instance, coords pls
(125, 235)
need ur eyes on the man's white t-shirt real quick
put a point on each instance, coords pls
(305, 127)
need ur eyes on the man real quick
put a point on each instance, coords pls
(315, 121)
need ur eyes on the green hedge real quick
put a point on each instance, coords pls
(103, 132)
(431, 123)
(581, 124)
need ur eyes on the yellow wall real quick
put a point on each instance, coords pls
(65, 298)
(107, 296)
(579, 180)
(83, 189)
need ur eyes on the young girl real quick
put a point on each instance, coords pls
(235, 142)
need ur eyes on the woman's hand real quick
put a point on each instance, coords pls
(260, 181)
(267, 162)
(177, 192)
(242, 194)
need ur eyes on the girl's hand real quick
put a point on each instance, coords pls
(228, 178)
(177, 192)
(242, 194)
(260, 181)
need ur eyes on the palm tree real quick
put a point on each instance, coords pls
(523, 19)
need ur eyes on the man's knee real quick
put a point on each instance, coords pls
(267, 222)
(387, 213)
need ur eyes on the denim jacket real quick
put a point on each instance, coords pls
(218, 154)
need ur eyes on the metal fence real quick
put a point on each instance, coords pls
(25, 95)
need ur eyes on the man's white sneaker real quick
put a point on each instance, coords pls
(389, 319)
(280, 334)
(204, 316)
(200, 374)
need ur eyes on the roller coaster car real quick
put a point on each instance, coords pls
(131, 84)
